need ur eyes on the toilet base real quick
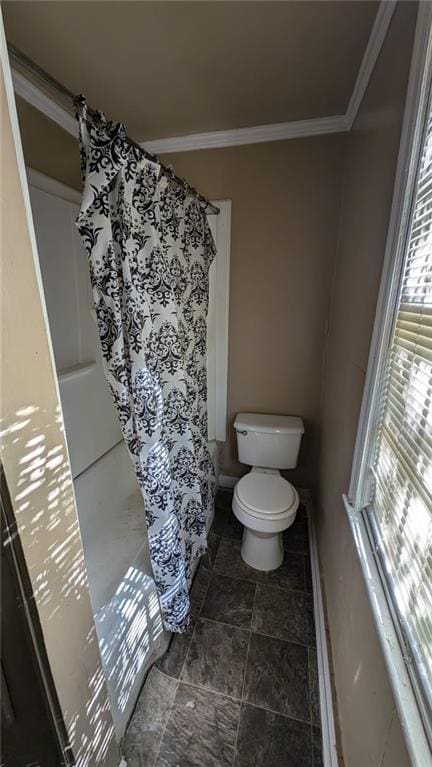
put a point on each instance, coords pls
(262, 551)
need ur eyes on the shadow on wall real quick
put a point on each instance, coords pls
(48, 524)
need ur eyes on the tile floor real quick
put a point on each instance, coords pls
(240, 688)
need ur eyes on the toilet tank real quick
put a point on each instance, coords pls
(269, 441)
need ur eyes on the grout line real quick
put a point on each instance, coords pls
(224, 623)
(281, 639)
(234, 577)
(281, 588)
(187, 651)
(167, 720)
(279, 713)
(209, 689)
(210, 572)
(244, 675)
(312, 746)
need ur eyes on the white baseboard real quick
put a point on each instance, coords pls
(330, 757)
(225, 480)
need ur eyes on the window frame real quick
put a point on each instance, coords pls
(412, 713)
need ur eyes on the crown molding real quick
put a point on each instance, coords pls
(255, 135)
(373, 49)
(38, 99)
(238, 136)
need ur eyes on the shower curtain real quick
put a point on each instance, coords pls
(150, 247)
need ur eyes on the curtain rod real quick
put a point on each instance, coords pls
(65, 93)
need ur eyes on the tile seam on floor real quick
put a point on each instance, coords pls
(234, 577)
(278, 713)
(223, 623)
(188, 649)
(209, 689)
(281, 639)
(281, 588)
(205, 595)
(166, 723)
(244, 675)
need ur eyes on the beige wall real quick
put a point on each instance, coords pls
(285, 208)
(370, 728)
(37, 470)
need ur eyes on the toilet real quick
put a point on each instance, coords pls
(264, 502)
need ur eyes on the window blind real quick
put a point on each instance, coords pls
(401, 509)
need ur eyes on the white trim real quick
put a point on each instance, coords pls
(399, 217)
(257, 134)
(38, 99)
(330, 757)
(217, 323)
(51, 186)
(222, 316)
(406, 703)
(225, 480)
(373, 49)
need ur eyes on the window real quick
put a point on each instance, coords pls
(390, 498)
(401, 464)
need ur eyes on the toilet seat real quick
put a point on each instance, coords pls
(266, 495)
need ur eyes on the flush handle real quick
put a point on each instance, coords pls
(244, 433)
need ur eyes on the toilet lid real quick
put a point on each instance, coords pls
(266, 493)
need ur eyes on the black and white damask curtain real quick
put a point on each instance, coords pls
(150, 248)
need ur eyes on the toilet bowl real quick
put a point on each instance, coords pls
(266, 504)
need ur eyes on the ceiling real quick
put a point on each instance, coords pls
(175, 68)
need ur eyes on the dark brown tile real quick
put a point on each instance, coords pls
(213, 542)
(172, 661)
(290, 575)
(223, 499)
(229, 600)
(199, 590)
(229, 562)
(217, 657)
(201, 730)
(219, 521)
(314, 687)
(308, 575)
(277, 676)
(144, 734)
(317, 747)
(311, 620)
(233, 528)
(282, 614)
(271, 740)
(295, 538)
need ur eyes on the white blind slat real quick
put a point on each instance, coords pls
(402, 462)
